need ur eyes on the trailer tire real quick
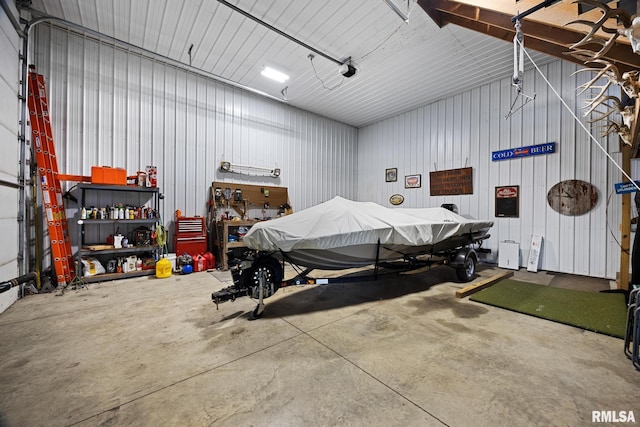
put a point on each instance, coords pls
(468, 269)
(274, 274)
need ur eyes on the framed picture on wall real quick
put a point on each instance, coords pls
(413, 181)
(391, 174)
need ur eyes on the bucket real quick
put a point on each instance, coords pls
(172, 258)
(163, 268)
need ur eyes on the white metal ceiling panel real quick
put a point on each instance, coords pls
(400, 65)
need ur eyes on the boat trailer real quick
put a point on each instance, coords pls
(259, 275)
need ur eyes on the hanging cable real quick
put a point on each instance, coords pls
(625, 174)
(613, 235)
(410, 10)
(310, 56)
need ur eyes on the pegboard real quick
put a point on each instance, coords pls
(255, 195)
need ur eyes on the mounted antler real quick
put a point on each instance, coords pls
(633, 34)
(623, 131)
(627, 112)
(609, 71)
(622, 17)
(627, 81)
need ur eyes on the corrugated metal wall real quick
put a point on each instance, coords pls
(116, 108)
(463, 130)
(9, 116)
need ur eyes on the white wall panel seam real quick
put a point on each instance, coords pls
(245, 128)
(9, 166)
(571, 243)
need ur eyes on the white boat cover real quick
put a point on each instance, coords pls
(340, 223)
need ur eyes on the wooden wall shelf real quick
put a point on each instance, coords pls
(223, 230)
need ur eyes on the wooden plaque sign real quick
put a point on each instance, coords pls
(451, 182)
(572, 197)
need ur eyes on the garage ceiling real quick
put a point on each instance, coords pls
(400, 65)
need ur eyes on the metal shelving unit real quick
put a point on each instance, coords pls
(113, 194)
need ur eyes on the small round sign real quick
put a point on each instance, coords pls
(396, 199)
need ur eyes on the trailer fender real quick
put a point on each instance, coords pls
(459, 258)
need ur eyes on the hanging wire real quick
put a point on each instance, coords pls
(391, 34)
(383, 42)
(625, 174)
(322, 81)
(609, 226)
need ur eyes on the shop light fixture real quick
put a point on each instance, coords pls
(404, 16)
(274, 74)
(249, 170)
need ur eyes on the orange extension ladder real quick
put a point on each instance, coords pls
(48, 173)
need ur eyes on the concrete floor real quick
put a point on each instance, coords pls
(400, 351)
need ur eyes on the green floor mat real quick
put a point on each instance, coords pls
(603, 312)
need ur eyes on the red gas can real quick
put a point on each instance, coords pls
(210, 260)
(199, 263)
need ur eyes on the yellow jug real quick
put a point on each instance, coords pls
(163, 268)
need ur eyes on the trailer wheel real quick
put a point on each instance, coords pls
(273, 273)
(468, 269)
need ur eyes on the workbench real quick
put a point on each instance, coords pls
(223, 230)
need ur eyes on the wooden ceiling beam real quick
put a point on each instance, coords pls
(542, 37)
(508, 34)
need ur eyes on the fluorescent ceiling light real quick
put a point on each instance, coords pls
(274, 74)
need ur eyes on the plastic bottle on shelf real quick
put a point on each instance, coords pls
(83, 213)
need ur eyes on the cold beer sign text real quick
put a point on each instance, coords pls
(532, 150)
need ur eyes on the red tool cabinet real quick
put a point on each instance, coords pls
(190, 236)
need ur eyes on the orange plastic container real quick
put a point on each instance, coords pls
(210, 259)
(108, 175)
(199, 263)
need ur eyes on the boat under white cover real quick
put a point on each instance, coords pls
(341, 234)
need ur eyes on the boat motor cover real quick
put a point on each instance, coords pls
(340, 223)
